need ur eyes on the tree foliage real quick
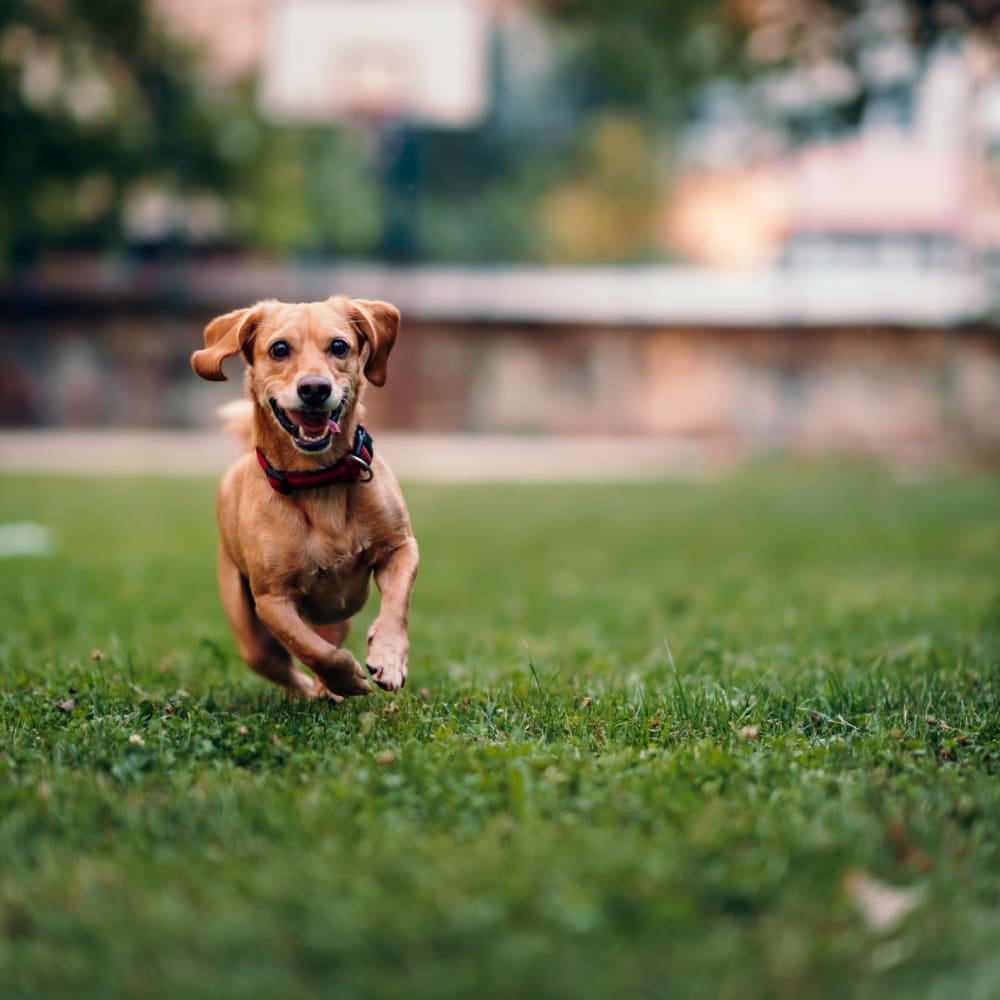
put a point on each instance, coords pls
(648, 54)
(652, 54)
(96, 102)
(113, 136)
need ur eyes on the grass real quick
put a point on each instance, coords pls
(649, 733)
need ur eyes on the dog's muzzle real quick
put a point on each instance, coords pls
(311, 430)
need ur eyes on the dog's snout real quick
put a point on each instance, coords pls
(314, 390)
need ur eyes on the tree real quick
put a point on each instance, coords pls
(653, 54)
(644, 54)
(96, 101)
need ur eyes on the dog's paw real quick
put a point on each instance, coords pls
(387, 658)
(342, 675)
(320, 692)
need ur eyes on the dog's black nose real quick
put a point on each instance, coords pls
(314, 390)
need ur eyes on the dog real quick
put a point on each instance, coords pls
(310, 514)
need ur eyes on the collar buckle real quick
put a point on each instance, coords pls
(366, 472)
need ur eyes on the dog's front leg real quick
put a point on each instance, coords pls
(336, 668)
(388, 644)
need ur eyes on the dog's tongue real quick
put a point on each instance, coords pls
(314, 422)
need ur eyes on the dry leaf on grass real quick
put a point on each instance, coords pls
(882, 905)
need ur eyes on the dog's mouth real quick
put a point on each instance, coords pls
(311, 430)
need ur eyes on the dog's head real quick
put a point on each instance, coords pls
(307, 362)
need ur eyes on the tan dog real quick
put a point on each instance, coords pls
(307, 519)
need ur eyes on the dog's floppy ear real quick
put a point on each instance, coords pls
(378, 323)
(225, 336)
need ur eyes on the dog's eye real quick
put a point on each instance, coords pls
(339, 348)
(279, 349)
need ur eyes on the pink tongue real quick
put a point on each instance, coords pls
(315, 423)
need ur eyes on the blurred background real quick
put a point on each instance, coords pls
(708, 229)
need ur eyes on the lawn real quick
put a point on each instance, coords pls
(654, 739)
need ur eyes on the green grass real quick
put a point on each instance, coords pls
(649, 731)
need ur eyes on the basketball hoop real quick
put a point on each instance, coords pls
(384, 67)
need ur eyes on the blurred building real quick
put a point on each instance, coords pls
(916, 187)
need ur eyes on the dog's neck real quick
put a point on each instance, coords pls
(277, 446)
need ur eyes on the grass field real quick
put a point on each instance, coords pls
(653, 735)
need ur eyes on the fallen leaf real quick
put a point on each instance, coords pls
(384, 757)
(882, 905)
(586, 702)
(274, 739)
(906, 852)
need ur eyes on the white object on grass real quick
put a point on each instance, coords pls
(25, 538)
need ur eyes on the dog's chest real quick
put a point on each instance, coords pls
(326, 558)
(334, 570)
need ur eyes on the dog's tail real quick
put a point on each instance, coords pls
(237, 419)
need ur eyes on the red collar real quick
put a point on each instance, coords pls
(355, 466)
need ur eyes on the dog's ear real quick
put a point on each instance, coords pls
(378, 323)
(225, 336)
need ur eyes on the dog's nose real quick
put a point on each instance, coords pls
(314, 390)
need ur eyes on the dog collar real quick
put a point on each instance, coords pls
(353, 467)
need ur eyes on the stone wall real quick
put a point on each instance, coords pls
(916, 393)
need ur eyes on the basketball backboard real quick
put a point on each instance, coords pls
(425, 61)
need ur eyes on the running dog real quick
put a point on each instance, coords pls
(310, 514)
